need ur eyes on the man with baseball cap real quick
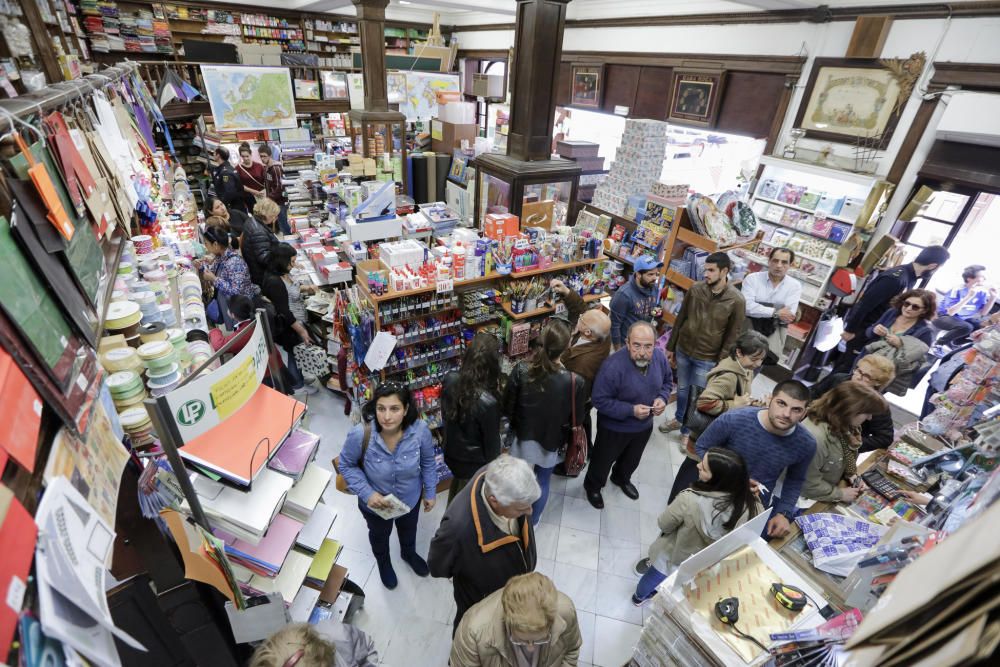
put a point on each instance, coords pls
(635, 300)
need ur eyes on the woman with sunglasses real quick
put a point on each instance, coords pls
(391, 453)
(527, 622)
(904, 335)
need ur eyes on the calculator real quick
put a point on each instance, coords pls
(881, 485)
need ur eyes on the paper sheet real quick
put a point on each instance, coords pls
(74, 545)
(745, 576)
(378, 352)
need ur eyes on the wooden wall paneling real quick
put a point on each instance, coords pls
(620, 85)
(564, 78)
(653, 94)
(750, 102)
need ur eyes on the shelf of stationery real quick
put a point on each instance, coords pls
(544, 310)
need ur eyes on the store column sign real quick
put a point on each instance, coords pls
(203, 403)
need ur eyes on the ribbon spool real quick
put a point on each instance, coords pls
(143, 244)
(121, 359)
(152, 332)
(122, 315)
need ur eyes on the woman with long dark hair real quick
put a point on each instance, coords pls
(470, 405)
(717, 503)
(228, 273)
(391, 453)
(537, 402)
(835, 420)
(284, 295)
(234, 217)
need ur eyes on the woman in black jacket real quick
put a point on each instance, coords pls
(537, 402)
(259, 240)
(470, 404)
(280, 290)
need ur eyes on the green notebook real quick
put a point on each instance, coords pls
(324, 561)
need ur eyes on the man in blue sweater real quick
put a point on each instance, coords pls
(771, 441)
(631, 387)
(635, 300)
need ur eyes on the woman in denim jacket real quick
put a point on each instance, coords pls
(398, 461)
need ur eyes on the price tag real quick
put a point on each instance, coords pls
(445, 285)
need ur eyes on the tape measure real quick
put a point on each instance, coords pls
(789, 597)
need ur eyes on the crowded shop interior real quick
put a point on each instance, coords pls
(499, 333)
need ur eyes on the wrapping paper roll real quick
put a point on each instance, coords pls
(419, 170)
(443, 165)
(431, 186)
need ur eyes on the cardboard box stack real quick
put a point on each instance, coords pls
(637, 165)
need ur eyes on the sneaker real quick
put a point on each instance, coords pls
(672, 425)
(642, 567)
(638, 601)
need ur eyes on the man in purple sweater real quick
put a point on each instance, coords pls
(631, 387)
(771, 441)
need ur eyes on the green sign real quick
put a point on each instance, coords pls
(191, 412)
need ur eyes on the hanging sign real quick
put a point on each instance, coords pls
(203, 403)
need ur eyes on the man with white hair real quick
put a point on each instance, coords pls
(486, 537)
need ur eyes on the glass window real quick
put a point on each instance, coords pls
(946, 206)
(925, 232)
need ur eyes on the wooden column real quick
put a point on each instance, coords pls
(537, 53)
(47, 57)
(371, 29)
(869, 37)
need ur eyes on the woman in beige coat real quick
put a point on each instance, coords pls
(528, 623)
(835, 422)
(717, 503)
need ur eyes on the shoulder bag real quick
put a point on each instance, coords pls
(341, 482)
(576, 448)
(695, 420)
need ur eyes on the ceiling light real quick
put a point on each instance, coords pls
(405, 2)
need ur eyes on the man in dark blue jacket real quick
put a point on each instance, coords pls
(876, 296)
(636, 299)
(632, 386)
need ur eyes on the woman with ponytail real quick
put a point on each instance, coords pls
(537, 402)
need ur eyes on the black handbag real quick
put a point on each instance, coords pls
(696, 421)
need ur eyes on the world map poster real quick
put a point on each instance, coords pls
(250, 98)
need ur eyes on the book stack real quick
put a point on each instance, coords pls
(266, 557)
(295, 453)
(316, 528)
(243, 514)
(637, 165)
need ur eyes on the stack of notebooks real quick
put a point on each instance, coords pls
(305, 495)
(295, 453)
(316, 528)
(266, 557)
(323, 562)
(243, 514)
(288, 581)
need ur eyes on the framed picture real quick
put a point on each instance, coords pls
(334, 85)
(847, 99)
(588, 84)
(695, 97)
(306, 89)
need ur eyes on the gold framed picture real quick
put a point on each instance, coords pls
(696, 96)
(588, 85)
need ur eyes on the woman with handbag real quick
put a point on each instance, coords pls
(470, 405)
(835, 421)
(386, 460)
(285, 295)
(904, 334)
(539, 401)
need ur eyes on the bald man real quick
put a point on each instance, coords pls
(589, 347)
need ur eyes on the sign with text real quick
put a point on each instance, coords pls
(203, 403)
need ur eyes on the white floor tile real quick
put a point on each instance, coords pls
(614, 598)
(546, 566)
(546, 539)
(418, 641)
(649, 529)
(581, 515)
(586, 620)
(360, 565)
(578, 547)
(558, 484)
(620, 523)
(618, 557)
(614, 641)
(579, 584)
(653, 498)
(553, 509)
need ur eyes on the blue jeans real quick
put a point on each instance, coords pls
(544, 476)
(293, 369)
(648, 583)
(283, 220)
(690, 371)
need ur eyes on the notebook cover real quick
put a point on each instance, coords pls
(307, 491)
(20, 413)
(17, 535)
(251, 510)
(270, 553)
(295, 453)
(324, 560)
(231, 448)
(317, 528)
(288, 581)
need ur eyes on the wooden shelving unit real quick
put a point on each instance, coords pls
(544, 310)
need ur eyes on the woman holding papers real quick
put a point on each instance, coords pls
(388, 461)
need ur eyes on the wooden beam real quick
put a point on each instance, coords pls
(43, 44)
(868, 39)
(747, 63)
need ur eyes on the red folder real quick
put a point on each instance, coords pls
(20, 414)
(17, 535)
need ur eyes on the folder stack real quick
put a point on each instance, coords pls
(243, 514)
(306, 493)
(289, 579)
(297, 451)
(323, 562)
(316, 528)
(266, 557)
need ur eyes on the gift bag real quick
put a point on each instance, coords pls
(311, 360)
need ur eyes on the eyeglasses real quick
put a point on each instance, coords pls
(864, 376)
(536, 642)
(916, 306)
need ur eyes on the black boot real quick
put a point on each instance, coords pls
(385, 571)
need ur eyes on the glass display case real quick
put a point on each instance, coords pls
(540, 193)
(380, 136)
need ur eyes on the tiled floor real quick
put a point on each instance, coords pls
(589, 554)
